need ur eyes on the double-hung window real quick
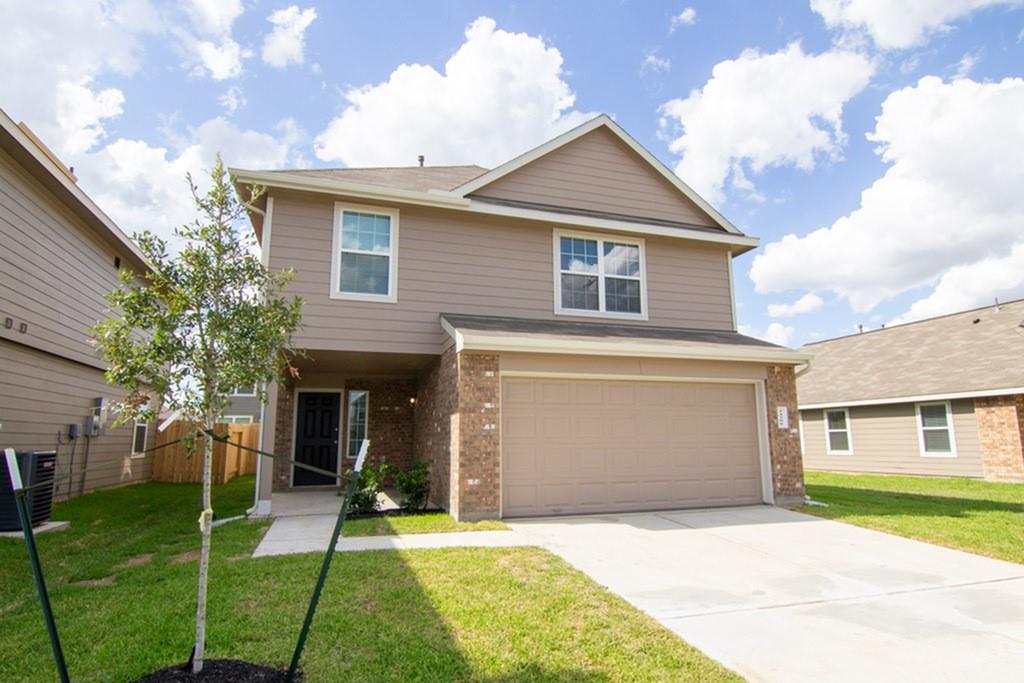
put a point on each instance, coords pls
(837, 432)
(365, 256)
(140, 432)
(935, 430)
(599, 275)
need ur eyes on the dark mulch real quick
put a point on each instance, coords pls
(223, 670)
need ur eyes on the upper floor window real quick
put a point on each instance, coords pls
(935, 430)
(597, 275)
(244, 391)
(365, 261)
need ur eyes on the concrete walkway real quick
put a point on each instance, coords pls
(781, 596)
(312, 533)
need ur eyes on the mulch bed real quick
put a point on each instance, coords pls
(392, 513)
(223, 670)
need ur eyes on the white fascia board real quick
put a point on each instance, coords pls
(359, 190)
(578, 132)
(447, 200)
(477, 206)
(467, 340)
(951, 396)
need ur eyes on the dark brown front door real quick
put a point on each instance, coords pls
(316, 438)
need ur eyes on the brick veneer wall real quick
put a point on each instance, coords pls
(283, 424)
(787, 461)
(1001, 433)
(477, 453)
(390, 419)
(432, 441)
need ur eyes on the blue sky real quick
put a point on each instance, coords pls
(782, 114)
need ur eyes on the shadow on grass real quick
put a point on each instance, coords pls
(846, 502)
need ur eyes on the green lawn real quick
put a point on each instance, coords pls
(432, 522)
(978, 516)
(122, 580)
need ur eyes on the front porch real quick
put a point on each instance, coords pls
(297, 502)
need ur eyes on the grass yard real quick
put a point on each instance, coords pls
(429, 523)
(122, 581)
(978, 516)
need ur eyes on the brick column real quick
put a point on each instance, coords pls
(284, 420)
(787, 460)
(476, 442)
(1001, 433)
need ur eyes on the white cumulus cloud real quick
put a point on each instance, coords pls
(759, 110)
(210, 45)
(653, 64)
(221, 60)
(776, 333)
(687, 17)
(213, 17)
(500, 94)
(80, 112)
(286, 42)
(900, 25)
(950, 197)
(808, 303)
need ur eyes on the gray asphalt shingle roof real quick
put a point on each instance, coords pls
(417, 178)
(976, 350)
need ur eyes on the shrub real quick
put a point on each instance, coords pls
(414, 486)
(371, 481)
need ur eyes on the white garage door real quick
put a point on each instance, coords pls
(579, 446)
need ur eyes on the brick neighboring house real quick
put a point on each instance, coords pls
(556, 335)
(943, 396)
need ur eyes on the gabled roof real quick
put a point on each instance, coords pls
(451, 187)
(601, 121)
(974, 352)
(39, 161)
(415, 178)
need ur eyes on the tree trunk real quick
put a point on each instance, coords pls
(205, 521)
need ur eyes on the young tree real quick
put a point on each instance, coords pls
(206, 319)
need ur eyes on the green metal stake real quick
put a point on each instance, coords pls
(37, 571)
(304, 633)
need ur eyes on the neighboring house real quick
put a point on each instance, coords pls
(943, 396)
(556, 335)
(244, 407)
(60, 255)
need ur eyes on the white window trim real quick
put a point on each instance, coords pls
(348, 421)
(235, 392)
(600, 313)
(237, 419)
(848, 430)
(135, 425)
(949, 426)
(335, 287)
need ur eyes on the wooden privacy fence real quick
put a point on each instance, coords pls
(173, 463)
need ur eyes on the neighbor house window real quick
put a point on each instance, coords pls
(244, 391)
(935, 430)
(365, 265)
(837, 432)
(357, 405)
(599, 276)
(236, 419)
(140, 430)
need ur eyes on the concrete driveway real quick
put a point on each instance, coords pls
(781, 596)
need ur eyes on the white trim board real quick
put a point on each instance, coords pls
(915, 399)
(358, 191)
(602, 120)
(588, 346)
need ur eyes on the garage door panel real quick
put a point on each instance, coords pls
(572, 446)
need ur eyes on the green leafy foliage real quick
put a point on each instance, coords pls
(371, 482)
(414, 486)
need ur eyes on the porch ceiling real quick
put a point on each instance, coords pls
(365, 364)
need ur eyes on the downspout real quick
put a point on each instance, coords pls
(268, 216)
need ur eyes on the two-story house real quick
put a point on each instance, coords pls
(556, 335)
(60, 254)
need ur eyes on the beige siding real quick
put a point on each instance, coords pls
(598, 172)
(453, 263)
(41, 394)
(885, 440)
(54, 270)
